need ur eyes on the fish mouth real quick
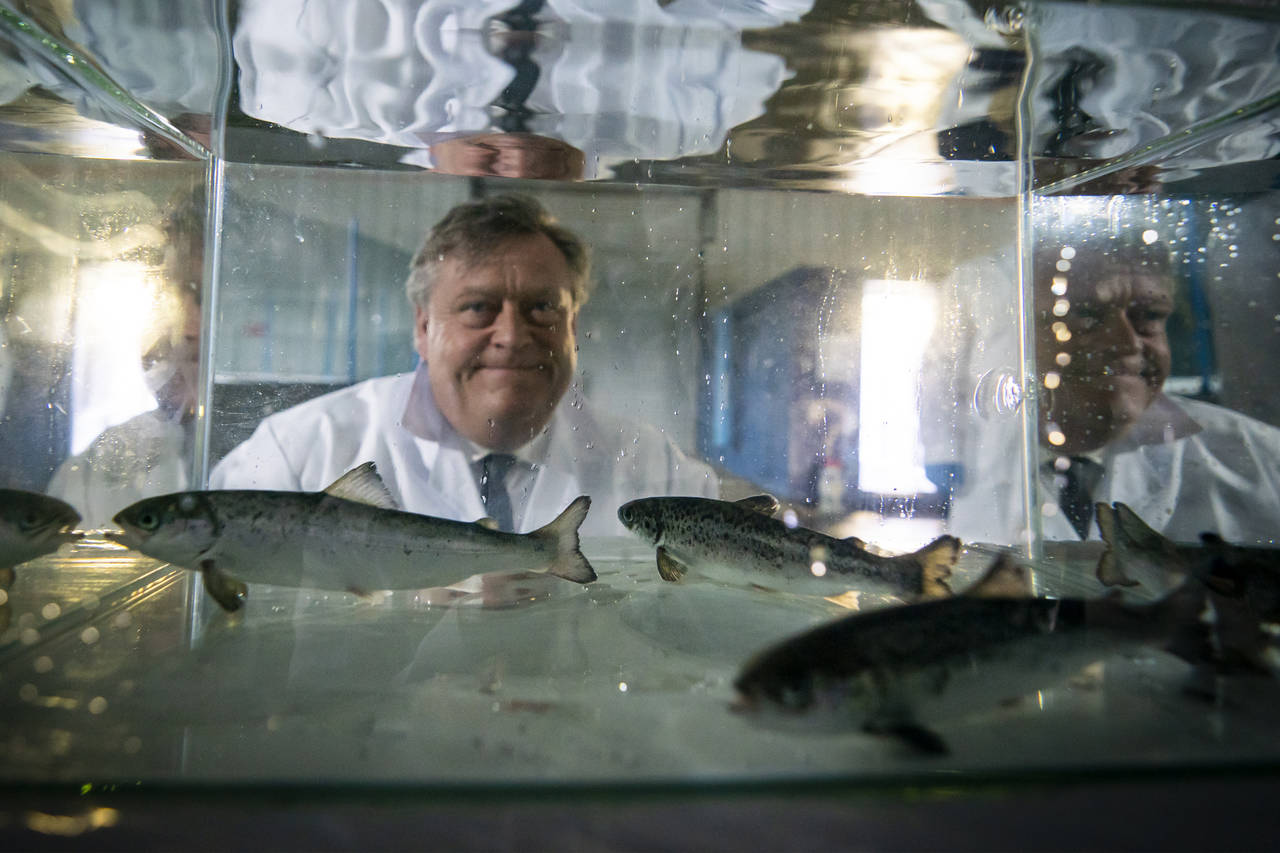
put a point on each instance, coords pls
(123, 537)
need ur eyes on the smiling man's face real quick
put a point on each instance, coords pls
(1102, 351)
(498, 337)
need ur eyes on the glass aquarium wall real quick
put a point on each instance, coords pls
(913, 357)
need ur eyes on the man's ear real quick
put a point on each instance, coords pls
(420, 329)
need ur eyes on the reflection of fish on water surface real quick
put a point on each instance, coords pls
(741, 542)
(32, 525)
(1139, 556)
(349, 537)
(1243, 581)
(891, 671)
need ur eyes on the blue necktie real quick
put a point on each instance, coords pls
(493, 488)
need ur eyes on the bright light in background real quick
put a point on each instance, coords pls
(115, 309)
(897, 321)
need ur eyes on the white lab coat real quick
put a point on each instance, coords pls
(1185, 468)
(393, 422)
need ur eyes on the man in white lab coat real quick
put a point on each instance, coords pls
(482, 428)
(1106, 430)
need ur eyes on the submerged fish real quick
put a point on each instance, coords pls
(892, 671)
(740, 542)
(32, 525)
(348, 537)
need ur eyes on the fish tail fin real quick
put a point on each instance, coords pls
(1109, 571)
(568, 562)
(936, 561)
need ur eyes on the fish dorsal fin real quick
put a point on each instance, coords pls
(1138, 531)
(860, 544)
(763, 504)
(1004, 578)
(1109, 571)
(363, 485)
(488, 523)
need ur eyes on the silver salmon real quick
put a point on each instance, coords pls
(894, 670)
(32, 525)
(348, 537)
(741, 542)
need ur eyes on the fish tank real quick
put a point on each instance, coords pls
(982, 296)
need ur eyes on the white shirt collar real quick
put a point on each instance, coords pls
(423, 418)
(1162, 422)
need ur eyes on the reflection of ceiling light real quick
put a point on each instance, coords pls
(910, 75)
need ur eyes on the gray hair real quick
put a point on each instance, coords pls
(473, 228)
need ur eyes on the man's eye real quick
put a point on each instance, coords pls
(544, 313)
(478, 313)
(1149, 322)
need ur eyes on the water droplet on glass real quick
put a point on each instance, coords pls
(997, 393)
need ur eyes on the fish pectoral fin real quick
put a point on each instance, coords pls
(909, 732)
(669, 568)
(763, 504)
(363, 485)
(227, 591)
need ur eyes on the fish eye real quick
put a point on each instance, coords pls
(29, 520)
(148, 521)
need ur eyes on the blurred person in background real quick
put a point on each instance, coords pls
(150, 454)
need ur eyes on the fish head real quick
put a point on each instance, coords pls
(178, 528)
(32, 524)
(644, 517)
(787, 692)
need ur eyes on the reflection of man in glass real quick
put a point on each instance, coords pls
(508, 155)
(150, 454)
(1101, 344)
(1107, 430)
(496, 289)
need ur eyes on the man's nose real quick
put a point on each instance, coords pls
(510, 328)
(1119, 334)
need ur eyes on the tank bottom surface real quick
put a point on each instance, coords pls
(627, 680)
